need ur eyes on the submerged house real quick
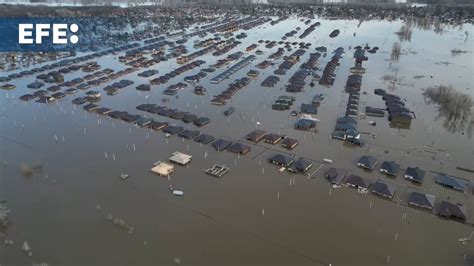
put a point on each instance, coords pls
(383, 189)
(289, 143)
(157, 125)
(457, 212)
(204, 139)
(367, 162)
(390, 168)
(420, 200)
(305, 124)
(188, 134)
(280, 159)
(173, 130)
(221, 144)
(356, 182)
(415, 174)
(309, 108)
(451, 182)
(300, 166)
(273, 138)
(335, 175)
(256, 136)
(238, 148)
(202, 121)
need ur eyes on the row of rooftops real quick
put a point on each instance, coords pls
(398, 113)
(238, 84)
(67, 63)
(258, 135)
(387, 190)
(174, 114)
(328, 77)
(230, 71)
(391, 168)
(301, 165)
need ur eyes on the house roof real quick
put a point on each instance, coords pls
(130, 118)
(449, 209)
(221, 144)
(180, 158)
(383, 189)
(273, 137)
(335, 175)
(173, 129)
(305, 124)
(238, 148)
(357, 181)
(204, 139)
(415, 174)
(390, 167)
(255, 135)
(452, 182)
(188, 134)
(90, 107)
(281, 159)
(201, 121)
(309, 108)
(346, 126)
(367, 161)
(301, 165)
(421, 200)
(157, 125)
(116, 114)
(289, 142)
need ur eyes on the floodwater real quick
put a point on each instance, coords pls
(251, 216)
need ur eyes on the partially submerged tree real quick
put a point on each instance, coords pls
(454, 106)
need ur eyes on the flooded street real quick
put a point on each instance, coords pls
(254, 215)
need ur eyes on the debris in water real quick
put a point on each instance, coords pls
(26, 247)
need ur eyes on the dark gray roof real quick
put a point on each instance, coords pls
(357, 181)
(335, 175)
(204, 139)
(301, 166)
(130, 118)
(281, 159)
(367, 162)
(157, 125)
(451, 210)
(255, 135)
(288, 142)
(116, 114)
(421, 200)
(238, 148)
(383, 189)
(452, 182)
(188, 134)
(309, 108)
(390, 167)
(273, 137)
(201, 121)
(221, 144)
(173, 129)
(415, 174)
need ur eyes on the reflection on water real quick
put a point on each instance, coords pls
(404, 34)
(454, 107)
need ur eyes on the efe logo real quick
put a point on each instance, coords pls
(59, 33)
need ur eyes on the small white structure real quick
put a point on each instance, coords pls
(180, 158)
(162, 169)
(178, 192)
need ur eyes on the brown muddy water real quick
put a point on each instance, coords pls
(251, 216)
